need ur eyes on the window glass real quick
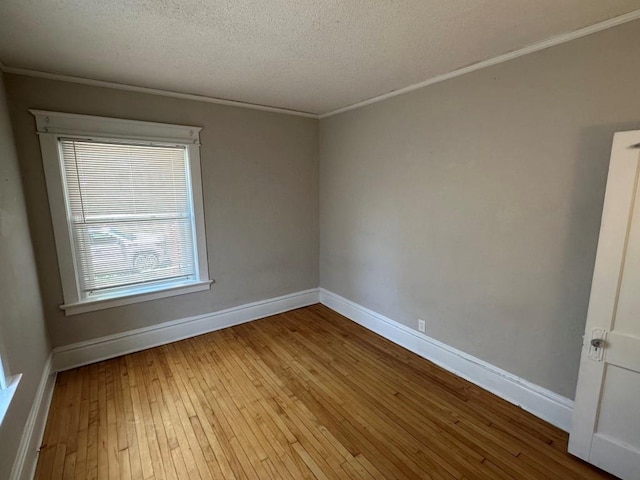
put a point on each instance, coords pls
(130, 214)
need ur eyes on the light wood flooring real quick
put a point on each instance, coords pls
(302, 395)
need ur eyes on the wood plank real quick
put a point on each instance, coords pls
(306, 394)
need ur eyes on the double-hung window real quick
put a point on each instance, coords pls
(127, 210)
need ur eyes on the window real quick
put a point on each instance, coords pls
(8, 386)
(3, 376)
(126, 205)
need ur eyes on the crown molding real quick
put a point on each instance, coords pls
(550, 42)
(151, 91)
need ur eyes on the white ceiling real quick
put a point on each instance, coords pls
(306, 55)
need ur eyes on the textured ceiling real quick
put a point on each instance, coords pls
(307, 55)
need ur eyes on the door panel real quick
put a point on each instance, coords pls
(606, 421)
(619, 416)
(614, 457)
(628, 308)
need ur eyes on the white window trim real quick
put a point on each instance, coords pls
(51, 126)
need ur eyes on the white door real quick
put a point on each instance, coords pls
(606, 418)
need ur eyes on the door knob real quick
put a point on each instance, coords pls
(597, 344)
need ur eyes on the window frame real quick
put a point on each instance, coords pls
(53, 126)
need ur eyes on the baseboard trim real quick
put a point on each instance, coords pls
(84, 353)
(24, 465)
(533, 398)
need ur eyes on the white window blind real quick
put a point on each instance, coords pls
(130, 214)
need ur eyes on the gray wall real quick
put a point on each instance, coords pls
(260, 179)
(475, 203)
(22, 326)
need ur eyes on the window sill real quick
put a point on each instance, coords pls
(6, 395)
(101, 304)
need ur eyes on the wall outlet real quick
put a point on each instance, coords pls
(421, 325)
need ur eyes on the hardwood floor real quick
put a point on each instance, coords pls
(303, 395)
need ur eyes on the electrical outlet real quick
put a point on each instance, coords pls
(421, 325)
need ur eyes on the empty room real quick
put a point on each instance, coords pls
(320, 240)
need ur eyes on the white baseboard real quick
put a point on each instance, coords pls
(84, 353)
(24, 465)
(537, 400)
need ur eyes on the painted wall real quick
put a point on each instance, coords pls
(260, 181)
(475, 203)
(22, 327)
